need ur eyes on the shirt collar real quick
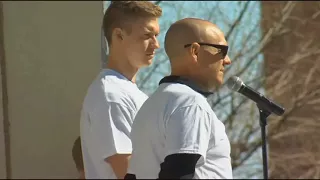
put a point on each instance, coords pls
(115, 73)
(185, 81)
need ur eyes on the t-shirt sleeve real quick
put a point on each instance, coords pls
(110, 129)
(188, 130)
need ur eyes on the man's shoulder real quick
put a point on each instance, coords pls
(114, 90)
(183, 96)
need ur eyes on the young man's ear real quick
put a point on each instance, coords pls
(118, 34)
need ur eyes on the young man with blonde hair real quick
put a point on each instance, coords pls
(113, 99)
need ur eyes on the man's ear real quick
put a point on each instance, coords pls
(194, 50)
(117, 34)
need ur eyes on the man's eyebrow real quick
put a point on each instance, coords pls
(150, 28)
(148, 32)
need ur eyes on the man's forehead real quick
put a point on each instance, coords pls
(215, 34)
(148, 24)
(212, 30)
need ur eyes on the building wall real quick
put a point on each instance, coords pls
(52, 53)
(300, 147)
(2, 122)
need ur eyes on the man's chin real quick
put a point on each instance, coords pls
(220, 80)
(217, 84)
(148, 62)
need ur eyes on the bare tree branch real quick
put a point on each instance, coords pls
(237, 21)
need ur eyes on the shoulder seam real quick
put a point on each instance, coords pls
(196, 105)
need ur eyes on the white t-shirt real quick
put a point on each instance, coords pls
(177, 119)
(109, 108)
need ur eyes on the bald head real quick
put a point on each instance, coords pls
(190, 30)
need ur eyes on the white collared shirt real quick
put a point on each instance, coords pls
(108, 111)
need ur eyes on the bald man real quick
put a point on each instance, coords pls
(176, 134)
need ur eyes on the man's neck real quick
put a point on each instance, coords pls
(123, 67)
(190, 77)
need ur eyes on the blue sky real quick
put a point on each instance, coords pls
(218, 12)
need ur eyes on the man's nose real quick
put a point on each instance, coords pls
(226, 60)
(156, 44)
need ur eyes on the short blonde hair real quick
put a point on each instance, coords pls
(120, 13)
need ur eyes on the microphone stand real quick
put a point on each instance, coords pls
(263, 122)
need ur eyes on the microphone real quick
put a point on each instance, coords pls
(235, 83)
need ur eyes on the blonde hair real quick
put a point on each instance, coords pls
(120, 13)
